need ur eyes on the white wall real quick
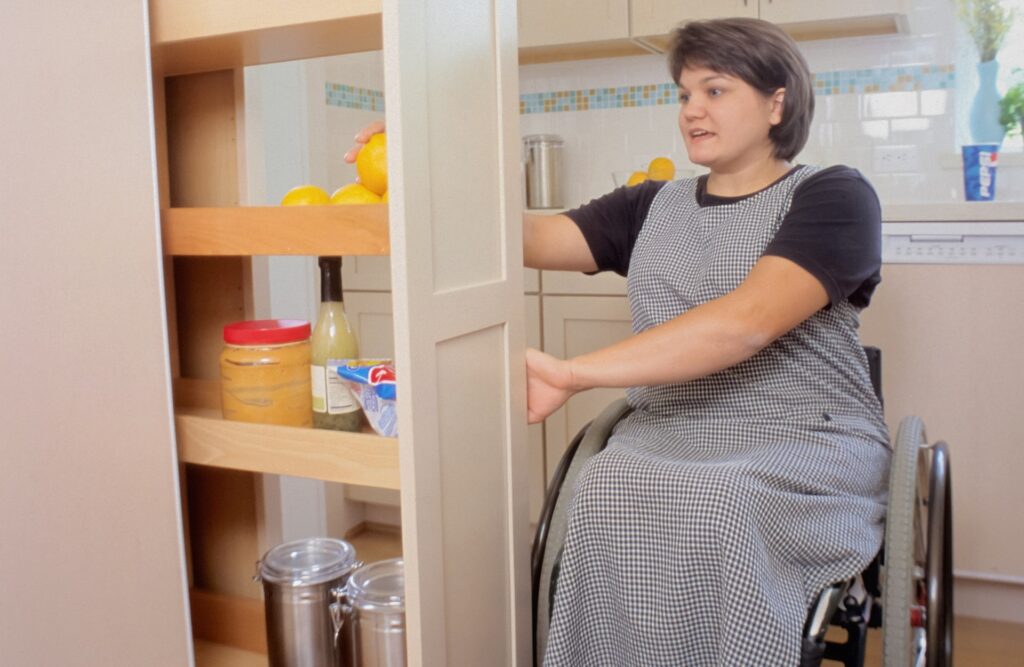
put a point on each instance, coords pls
(847, 129)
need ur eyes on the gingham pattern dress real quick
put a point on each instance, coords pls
(723, 506)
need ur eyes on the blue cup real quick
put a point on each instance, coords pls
(980, 171)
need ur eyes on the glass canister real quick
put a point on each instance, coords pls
(376, 614)
(303, 582)
(264, 372)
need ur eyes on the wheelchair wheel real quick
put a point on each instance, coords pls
(917, 594)
(551, 530)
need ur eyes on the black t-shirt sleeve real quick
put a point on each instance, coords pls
(834, 231)
(611, 223)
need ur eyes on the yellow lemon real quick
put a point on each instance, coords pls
(354, 193)
(636, 178)
(661, 169)
(305, 195)
(372, 164)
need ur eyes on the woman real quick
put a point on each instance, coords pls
(751, 472)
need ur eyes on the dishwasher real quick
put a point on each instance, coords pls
(949, 319)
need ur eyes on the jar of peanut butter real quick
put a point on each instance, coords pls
(264, 372)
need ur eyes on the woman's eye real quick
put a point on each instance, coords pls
(714, 92)
(684, 97)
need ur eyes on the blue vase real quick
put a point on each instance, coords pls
(985, 125)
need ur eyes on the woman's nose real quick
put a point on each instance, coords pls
(693, 110)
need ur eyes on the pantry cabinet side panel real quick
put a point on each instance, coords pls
(457, 279)
(93, 569)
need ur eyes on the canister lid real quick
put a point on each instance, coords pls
(378, 585)
(310, 561)
(551, 139)
(266, 332)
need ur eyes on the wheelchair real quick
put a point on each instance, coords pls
(907, 590)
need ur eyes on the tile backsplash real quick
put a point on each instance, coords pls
(887, 105)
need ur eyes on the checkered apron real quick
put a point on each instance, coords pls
(723, 506)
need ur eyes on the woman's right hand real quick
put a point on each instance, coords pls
(376, 127)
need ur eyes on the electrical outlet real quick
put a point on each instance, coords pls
(894, 159)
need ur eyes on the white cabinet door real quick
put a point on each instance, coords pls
(371, 317)
(656, 18)
(575, 325)
(550, 23)
(373, 274)
(606, 283)
(832, 11)
(538, 482)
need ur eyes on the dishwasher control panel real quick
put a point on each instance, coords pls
(953, 243)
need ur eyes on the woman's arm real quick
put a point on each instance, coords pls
(550, 242)
(776, 296)
(555, 243)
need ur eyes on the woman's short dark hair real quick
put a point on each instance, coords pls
(762, 55)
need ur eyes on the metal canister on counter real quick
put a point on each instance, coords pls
(264, 371)
(544, 178)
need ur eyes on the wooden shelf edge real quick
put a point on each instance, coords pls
(191, 37)
(350, 458)
(360, 229)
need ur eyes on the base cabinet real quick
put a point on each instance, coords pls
(575, 325)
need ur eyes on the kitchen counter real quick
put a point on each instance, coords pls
(996, 211)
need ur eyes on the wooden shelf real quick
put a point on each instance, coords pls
(351, 458)
(191, 36)
(211, 654)
(355, 229)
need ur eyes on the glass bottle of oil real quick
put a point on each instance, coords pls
(334, 407)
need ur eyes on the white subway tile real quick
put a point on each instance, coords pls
(890, 105)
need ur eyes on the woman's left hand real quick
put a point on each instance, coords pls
(549, 384)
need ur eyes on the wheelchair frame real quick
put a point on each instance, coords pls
(914, 584)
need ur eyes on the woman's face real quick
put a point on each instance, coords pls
(724, 120)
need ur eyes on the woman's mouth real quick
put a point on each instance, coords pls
(698, 135)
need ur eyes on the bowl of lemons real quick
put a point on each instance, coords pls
(659, 169)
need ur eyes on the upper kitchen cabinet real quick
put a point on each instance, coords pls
(574, 29)
(652, 20)
(822, 19)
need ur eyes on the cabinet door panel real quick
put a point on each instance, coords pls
(951, 354)
(652, 18)
(801, 11)
(373, 274)
(568, 282)
(370, 315)
(546, 23)
(574, 326)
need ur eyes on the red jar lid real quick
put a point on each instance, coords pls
(266, 332)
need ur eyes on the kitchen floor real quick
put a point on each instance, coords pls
(976, 642)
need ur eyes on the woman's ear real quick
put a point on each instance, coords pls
(778, 100)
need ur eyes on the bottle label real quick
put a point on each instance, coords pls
(330, 394)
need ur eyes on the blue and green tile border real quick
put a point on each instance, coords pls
(856, 81)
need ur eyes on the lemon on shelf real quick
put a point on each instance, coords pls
(372, 164)
(636, 178)
(305, 195)
(354, 193)
(661, 169)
